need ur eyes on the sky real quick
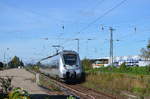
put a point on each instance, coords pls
(29, 28)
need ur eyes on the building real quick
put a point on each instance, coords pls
(131, 61)
(118, 60)
(102, 62)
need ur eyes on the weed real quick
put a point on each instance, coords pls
(71, 97)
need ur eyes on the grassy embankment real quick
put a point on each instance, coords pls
(133, 80)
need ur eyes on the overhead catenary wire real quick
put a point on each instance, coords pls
(103, 15)
(99, 3)
(100, 17)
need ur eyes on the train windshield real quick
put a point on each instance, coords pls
(70, 59)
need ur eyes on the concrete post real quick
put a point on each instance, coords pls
(37, 77)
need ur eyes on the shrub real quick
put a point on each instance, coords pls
(18, 93)
(86, 63)
(123, 67)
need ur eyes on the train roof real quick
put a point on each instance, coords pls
(67, 51)
(61, 52)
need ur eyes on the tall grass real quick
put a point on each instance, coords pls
(116, 83)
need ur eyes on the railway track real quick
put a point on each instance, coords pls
(82, 92)
(92, 93)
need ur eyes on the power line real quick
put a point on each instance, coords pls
(100, 2)
(100, 17)
(78, 44)
(104, 14)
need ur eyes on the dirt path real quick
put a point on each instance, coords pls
(23, 79)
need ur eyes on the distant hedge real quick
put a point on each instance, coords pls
(123, 69)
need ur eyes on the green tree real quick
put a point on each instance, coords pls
(15, 62)
(145, 52)
(21, 63)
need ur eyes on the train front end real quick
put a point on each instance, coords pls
(71, 68)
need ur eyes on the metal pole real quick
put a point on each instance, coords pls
(88, 46)
(78, 44)
(111, 45)
(4, 57)
(7, 56)
(87, 49)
